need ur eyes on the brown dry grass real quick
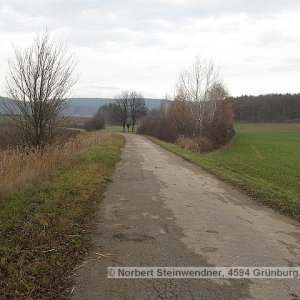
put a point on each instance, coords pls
(45, 228)
(19, 167)
(199, 144)
(6, 133)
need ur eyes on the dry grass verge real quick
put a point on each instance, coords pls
(45, 228)
(19, 167)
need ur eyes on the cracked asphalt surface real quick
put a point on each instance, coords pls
(160, 210)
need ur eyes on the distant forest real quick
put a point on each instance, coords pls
(268, 108)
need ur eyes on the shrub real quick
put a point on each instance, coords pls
(169, 122)
(158, 125)
(196, 144)
(97, 122)
(220, 130)
(174, 123)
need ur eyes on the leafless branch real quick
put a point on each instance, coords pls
(201, 87)
(38, 83)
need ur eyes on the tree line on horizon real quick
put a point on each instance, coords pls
(267, 108)
(246, 108)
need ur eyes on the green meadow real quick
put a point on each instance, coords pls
(263, 159)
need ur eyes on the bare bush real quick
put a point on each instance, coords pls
(137, 107)
(96, 122)
(196, 144)
(174, 122)
(220, 130)
(7, 131)
(170, 121)
(120, 109)
(75, 122)
(202, 88)
(200, 118)
(38, 82)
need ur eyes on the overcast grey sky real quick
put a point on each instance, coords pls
(142, 45)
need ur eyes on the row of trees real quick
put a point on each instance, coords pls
(200, 117)
(128, 107)
(268, 108)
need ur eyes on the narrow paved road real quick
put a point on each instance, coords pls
(160, 210)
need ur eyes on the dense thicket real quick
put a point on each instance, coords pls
(268, 108)
(174, 123)
(200, 118)
(96, 122)
(108, 111)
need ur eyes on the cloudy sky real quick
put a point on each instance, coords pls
(142, 45)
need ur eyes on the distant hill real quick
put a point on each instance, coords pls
(4, 102)
(85, 107)
(263, 108)
(88, 106)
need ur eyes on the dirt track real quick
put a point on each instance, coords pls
(160, 210)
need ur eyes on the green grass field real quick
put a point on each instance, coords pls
(263, 159)
(44, 228)
(117, 128)
(114, 128)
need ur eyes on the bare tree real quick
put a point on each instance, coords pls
(216, 93)
(121, 108)
(38, 82)
(137, 107)
(196, 85)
